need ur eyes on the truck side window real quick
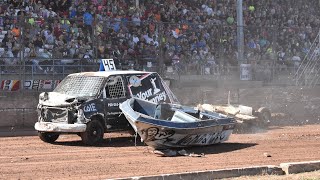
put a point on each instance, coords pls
(115, 87)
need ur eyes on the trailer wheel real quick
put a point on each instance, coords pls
(264, 115)
(93, 134)
(48, 137)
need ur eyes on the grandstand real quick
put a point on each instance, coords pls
(52, 38)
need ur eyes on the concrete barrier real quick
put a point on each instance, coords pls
(300, 167)
(214, 174)
(301, 104)
(17, 131)
(283, 169)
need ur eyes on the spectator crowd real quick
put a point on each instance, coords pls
(191, 33)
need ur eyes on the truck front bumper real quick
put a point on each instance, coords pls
(58, 127)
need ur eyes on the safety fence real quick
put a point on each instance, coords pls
(47, 81)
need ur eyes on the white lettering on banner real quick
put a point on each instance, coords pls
(160, 97)
(145, 95)
(35, 84)
(27, 84)
(245, 72)
(113, 104)
(90, 108)
(40, 84)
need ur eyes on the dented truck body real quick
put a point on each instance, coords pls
(88, 103)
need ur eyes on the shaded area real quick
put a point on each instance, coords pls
(202, 151)
(107, 142)
(220, 148)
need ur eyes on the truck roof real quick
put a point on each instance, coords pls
(108, 73)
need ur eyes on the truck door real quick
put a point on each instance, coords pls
(114, 94)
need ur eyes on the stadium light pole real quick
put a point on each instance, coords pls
(240, 38)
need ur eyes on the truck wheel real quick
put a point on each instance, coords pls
(48, 137)
(264, 115)
(93, 134)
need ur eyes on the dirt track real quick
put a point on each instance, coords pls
(30, 158)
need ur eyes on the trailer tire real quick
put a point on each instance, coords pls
(264, 115)
(93, 134)
(48, 137)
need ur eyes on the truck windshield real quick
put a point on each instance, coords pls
(80, 86)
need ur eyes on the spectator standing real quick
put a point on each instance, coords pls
(15, 31)
(88, 21)
(9, 57)
(281, 59)
(296, 61)
(49, 38)
(38, 41)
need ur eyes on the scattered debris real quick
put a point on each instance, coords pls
(166, 152)
(243, 114)
(174, 153)
(266, 154)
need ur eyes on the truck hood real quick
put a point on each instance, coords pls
(57, 99)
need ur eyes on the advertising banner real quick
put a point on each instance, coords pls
(10, 85)
(40, 84)
(245, 72)
(148, 87)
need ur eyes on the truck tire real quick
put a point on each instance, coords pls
(93, 134)
(48, 137)
(264, 115)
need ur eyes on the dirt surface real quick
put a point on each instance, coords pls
(30, 158)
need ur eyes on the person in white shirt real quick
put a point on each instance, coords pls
(136, 19)
(135, 39)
